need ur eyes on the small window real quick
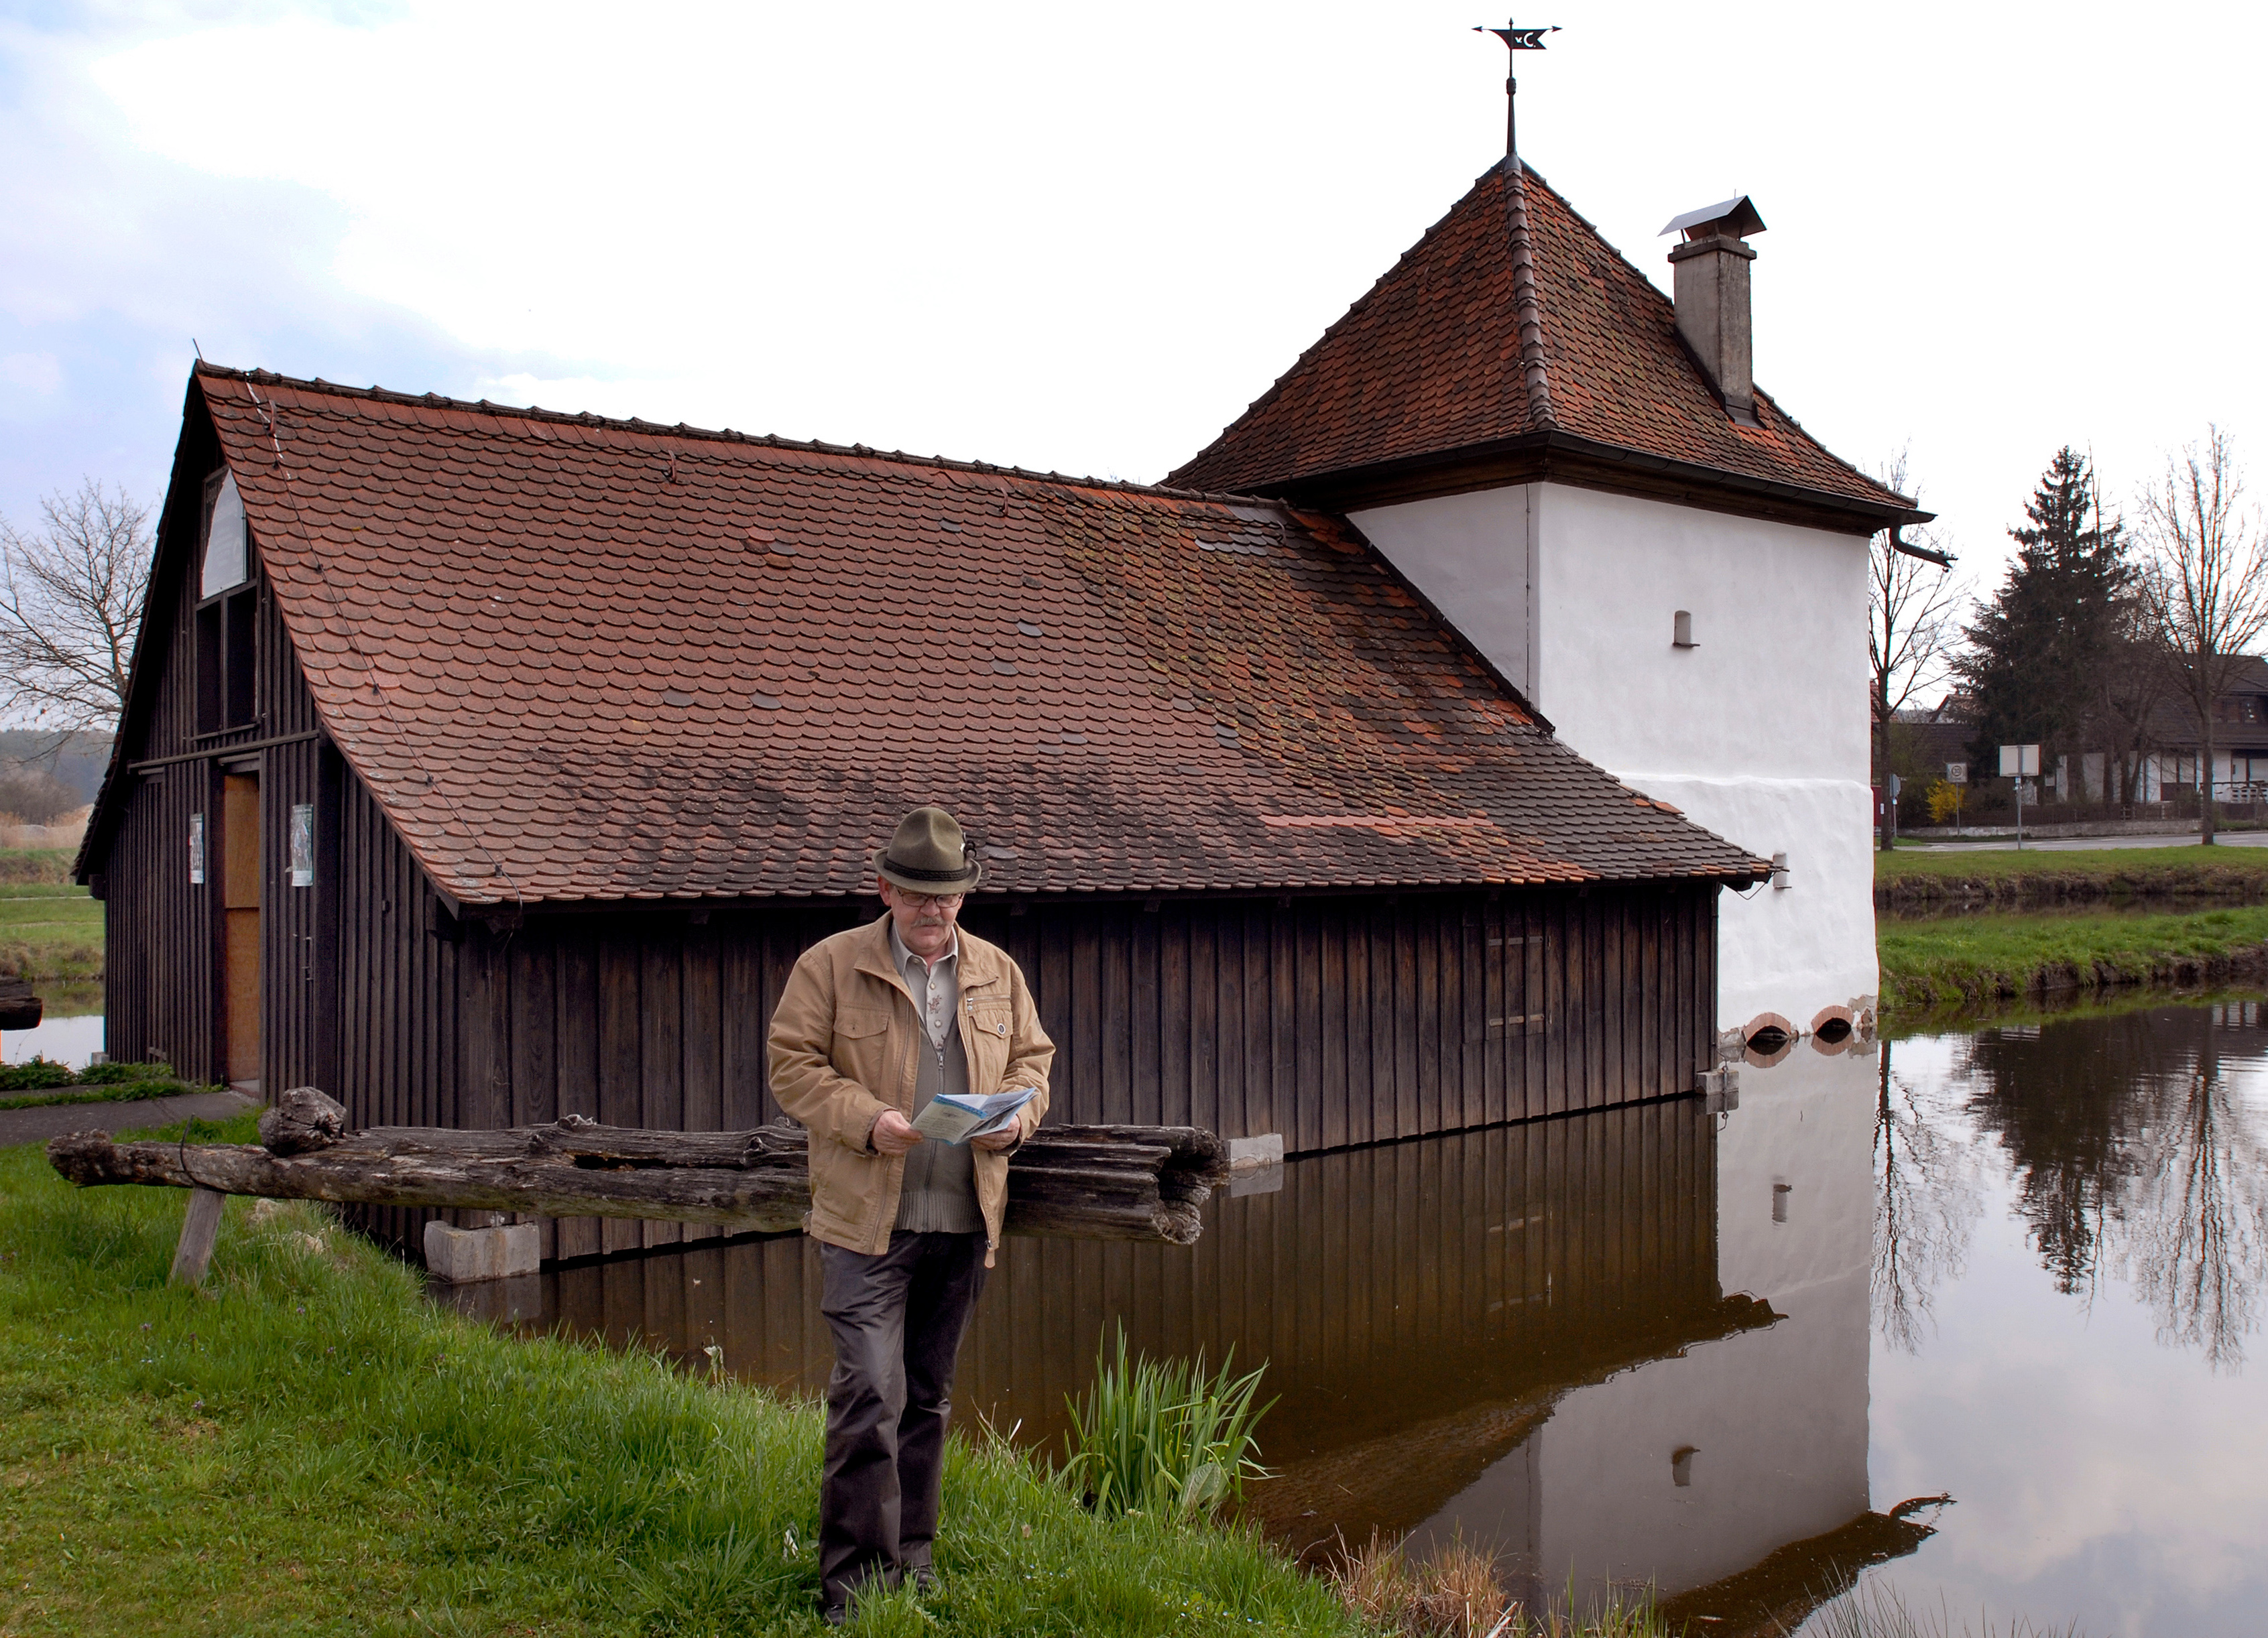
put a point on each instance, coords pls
(228, 540)
(227, 612)
(227, 637)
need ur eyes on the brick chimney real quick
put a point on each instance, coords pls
(1713, 297)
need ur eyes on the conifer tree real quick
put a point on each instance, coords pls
(2037, 650)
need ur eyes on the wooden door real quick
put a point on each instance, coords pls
(240, 887)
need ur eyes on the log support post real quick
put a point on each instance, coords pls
(200, 1227)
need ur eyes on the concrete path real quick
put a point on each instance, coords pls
(43, 1121)
(2081, 844)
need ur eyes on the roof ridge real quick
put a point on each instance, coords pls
(1638, 273)
(727, 434)
(1528, 309)
(1353, 308)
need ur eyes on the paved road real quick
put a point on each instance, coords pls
(39, 1124)
(2081, 844)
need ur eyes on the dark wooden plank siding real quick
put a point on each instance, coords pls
(1332, 1021)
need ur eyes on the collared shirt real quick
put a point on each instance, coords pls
(938, 1193)
(935, 985)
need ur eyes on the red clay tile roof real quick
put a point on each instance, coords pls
(1430, 362)
(582, 659)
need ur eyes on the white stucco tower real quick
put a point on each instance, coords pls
(1581, 476)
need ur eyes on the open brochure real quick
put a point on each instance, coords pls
(950, 1119)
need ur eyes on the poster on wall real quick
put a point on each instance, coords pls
(303, 844)
(196, 850)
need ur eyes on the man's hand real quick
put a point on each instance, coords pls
(893, 1134)
(1004, 1138)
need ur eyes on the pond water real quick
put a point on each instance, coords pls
(1971, 1315)
(70, 1040)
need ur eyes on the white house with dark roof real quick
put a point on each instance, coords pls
(1581, 474)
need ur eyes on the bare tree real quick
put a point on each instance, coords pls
(1914, 621)
(2207, 583)
(70, 598)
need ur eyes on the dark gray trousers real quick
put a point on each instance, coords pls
(897, 1320)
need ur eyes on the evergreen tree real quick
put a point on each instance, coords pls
(2039, 651)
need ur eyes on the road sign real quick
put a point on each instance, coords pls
(2016, 760)
(1956, 772)
(1896, 785)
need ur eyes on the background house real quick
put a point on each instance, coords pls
(485, 764)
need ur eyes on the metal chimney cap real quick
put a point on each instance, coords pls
(1737, 215)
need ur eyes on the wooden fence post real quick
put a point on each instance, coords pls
(200, 1226)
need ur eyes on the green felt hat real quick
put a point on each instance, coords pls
(929, 855)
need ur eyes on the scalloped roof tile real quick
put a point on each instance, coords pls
(637, 662)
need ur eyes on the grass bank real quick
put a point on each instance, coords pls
(305, 1446)
(36, 866)
(1925, 879)
(1964, 960)
(49, 930)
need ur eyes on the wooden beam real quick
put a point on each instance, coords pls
(1092, 1182)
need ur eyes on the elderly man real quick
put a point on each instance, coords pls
(874, 1023)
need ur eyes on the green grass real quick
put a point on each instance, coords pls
(49, 865)
(305, 1446)
(2176, 866)
(49, 930)
(48, 1083)
(1959, 959)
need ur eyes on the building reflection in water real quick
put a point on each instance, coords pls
(1626, 1345)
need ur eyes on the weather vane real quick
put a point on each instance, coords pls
(1515, 38)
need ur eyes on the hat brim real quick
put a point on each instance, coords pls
(897, 876)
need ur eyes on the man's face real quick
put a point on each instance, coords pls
(924, 920)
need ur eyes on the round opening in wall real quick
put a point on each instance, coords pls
(1834, 1030)
(1767, 1039)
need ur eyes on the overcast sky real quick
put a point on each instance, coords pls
(1084, 237)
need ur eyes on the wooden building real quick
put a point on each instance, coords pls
(483, 764)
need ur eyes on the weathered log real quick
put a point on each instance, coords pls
(1102, 1182)
(303, 1120)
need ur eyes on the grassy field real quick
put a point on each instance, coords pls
(49, 930)
(1992, 956)
(305, 1446)
(1922, 877)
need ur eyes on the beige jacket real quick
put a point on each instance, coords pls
(845, 1045)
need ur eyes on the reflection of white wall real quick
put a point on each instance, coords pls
(1778, 1417)
(1759, 733)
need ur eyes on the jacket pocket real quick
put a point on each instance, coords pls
(861, 1049)
(985, 1025)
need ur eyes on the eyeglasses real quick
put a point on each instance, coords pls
(946, 902)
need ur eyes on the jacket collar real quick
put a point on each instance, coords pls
(979, 963)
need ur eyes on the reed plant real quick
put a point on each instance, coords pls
(1162, 1436)
(1455, 1592)
(1874, 1608)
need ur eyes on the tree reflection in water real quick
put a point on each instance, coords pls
(2136, 1145)
(1925, 1200)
